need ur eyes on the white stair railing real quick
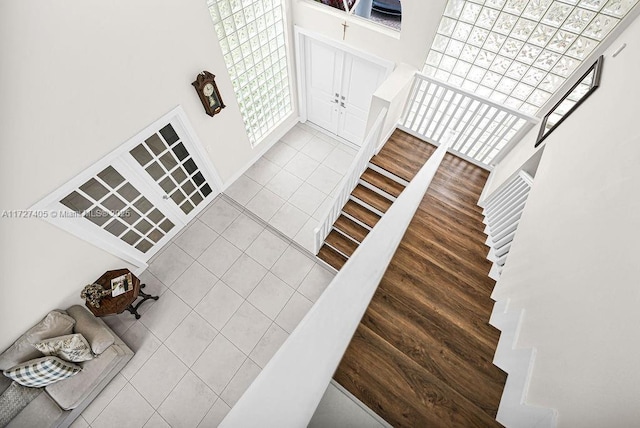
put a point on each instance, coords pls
(477, 129)
(287, 391)
(350, 180)
(502, 214)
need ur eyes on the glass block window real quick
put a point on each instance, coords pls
(113, 204)
(168, 163)
(251, 35)
(519, 52)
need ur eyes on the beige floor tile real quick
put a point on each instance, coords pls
(240, 382)
(243, 231)
(316, 282)
(244, 275)
(246, 327)
(216, 415)
(188, 403)
(194, 284)
(243, 189)
(262, 171)
(128, 410)
(170, 264)
(219, 305)
(271, 295)
(196, 238)
(268, 345)
(165, 315)
(293, 312)
(143, 343)
(267, 248)
(265, 204)
(158, 376)
(156, 421)
(189, 340)
(219, 256)
(219, 363)
(219, 215)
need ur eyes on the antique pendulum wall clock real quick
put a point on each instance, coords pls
(207, 90)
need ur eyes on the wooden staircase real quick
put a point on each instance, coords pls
(388, 173)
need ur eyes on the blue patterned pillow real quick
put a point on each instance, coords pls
(41, 371)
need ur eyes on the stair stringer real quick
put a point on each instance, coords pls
(518, 363)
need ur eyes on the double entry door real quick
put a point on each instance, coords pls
(339, 87)
(133, 201)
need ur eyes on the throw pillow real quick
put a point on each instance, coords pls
(54, 324)
(41, 371)
(72, 347)
(14, 399)
(91, 328)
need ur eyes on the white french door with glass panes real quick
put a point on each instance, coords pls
(133, 201)
(339, 86)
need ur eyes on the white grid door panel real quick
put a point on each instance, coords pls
(135, 199)
(123, 208)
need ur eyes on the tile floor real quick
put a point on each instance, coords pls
(292, 185)
(231, 292)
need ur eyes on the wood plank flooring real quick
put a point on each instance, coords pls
(422, 354)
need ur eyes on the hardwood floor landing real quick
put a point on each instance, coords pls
(422, 354)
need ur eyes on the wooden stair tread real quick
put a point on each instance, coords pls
(351, 228)
(341, 243)
(403, 155)
(372, 198)
(331, 257)
(386, 184)
(389, 165)
(363, 214)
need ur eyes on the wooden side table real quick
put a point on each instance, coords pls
(110, 305)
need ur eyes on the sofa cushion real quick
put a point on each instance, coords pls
(42, 371)
(72, 347)
(14, 399)
(5, 382)
(87, 325)
(41, 412)
(70, 392)
(54, 324)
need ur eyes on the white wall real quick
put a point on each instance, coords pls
(80, 77)
(420, 20)
(574, 266)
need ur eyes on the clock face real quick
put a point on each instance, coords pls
(207, 90)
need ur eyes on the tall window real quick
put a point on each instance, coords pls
(251, 34)
(519, 52)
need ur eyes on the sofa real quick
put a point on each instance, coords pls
(60, 403)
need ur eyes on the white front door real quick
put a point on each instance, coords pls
(323, 74)
(339, 87)
(360, 79)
